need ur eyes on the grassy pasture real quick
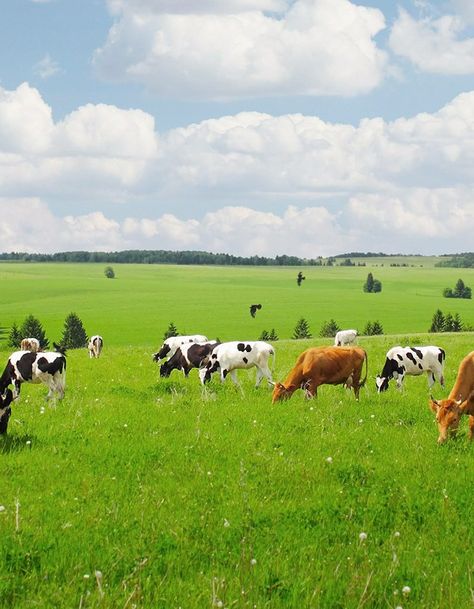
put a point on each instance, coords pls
(183, 497)
(137, 306)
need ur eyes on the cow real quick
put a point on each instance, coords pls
(30, 344)
(231, 356)
(48, 367)
(345, 337)
(324, 366)
(169, 346)
(413, 361)
(460, 401)
(187, 357)
(95, 345)
(5, 410)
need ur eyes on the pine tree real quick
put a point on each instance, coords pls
(377, 328)
(459, 289)
(14, 337)
(437, 323)
(377, 286)
(302, 329)
(448, 323)
(369, 284)
(171, 331)
(74, 335)
(457, 323)
(329, 328)
(273, 335)
(264, 335)
(32, 328)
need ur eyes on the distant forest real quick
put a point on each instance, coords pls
(465, 260)
(461, 261)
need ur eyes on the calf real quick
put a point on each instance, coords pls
(168, 348)
(187, 357)
(30, 344)
(345, 337)
(324, 365)
(95, 345)
(460, 401)
(229, 357)
(413, 361)
(48, 367)
(5, 410)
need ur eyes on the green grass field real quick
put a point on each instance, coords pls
(146, 493)
(137, 306)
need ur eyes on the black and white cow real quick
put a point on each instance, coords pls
(187, 357)
(229, 357)
(5, 410)
(48, 367)
(413, 361)
(95, 345)
(168, 348)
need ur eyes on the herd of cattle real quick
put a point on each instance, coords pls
(342, 363)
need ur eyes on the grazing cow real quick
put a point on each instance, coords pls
(169, 346)
(48, 367)
(95, 345)
(460, 401)
(30, 344)
(401, 361)
(5, 410)
(229, 357)
(187, 357)
(324, 366)
(345, 337)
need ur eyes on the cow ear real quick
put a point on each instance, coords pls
(434, 405)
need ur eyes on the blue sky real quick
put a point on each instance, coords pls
(307, 127)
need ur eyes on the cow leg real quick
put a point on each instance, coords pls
(233, 376)
(471, 427)
(259, 377)
(400, 378)
(310, 389)
(431, 379)
(16, 389)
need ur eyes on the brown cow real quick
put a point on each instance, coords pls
(459, 401)
(324, 365)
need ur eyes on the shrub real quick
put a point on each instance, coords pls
(372, 285)
(32, 328)
(301, 330)
(264, 336)
(329, 328)
(74, 335)
(109, 272)
(171, 331)
(460, 291)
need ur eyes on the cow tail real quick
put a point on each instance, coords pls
(362, 383)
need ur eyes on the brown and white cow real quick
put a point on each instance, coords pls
(324, 366)
(30, 344)
(460, 401)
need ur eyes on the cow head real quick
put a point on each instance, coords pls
(165, 370)
(381, 383)
(161, 353)
(206, 372)
(5, 410)
(448, 414)
(280, 392)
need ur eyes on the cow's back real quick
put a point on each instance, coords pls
(333, 365)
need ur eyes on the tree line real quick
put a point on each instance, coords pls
(163, 257)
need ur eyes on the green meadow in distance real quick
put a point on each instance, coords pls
(136, 307)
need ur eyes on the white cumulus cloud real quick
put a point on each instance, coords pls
(434, 45)
(315, 47)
